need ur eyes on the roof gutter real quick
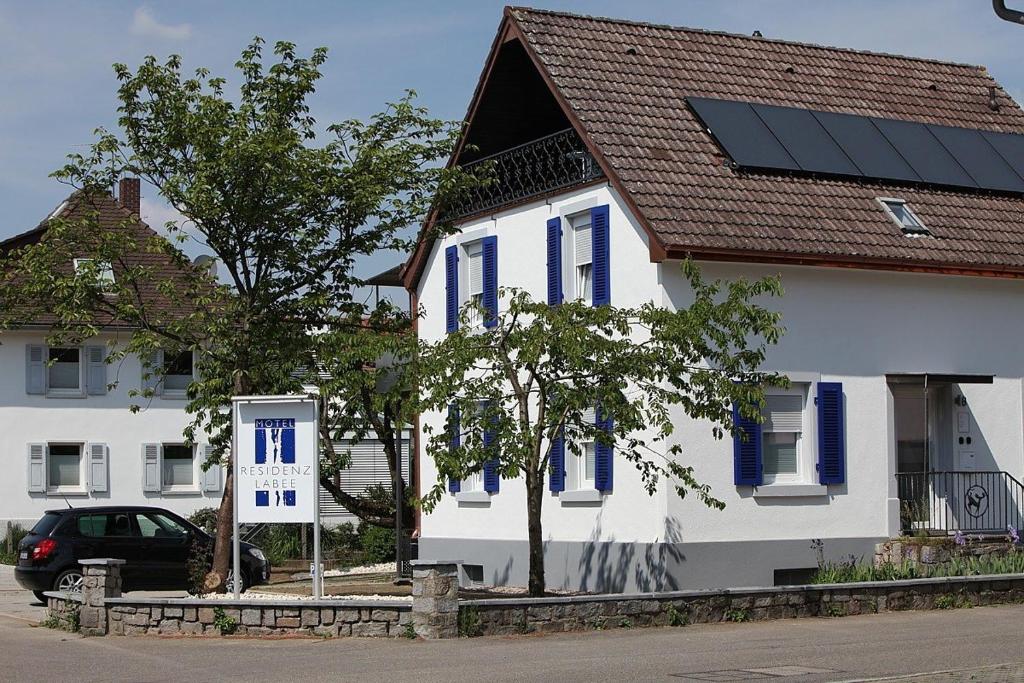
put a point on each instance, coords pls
(854, 262)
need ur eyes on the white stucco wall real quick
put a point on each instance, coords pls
(104, 419)
(627, 515)
(850, 326)
(856, 327)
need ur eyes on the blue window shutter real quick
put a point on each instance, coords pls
(454, 485)
(451, 288)
(491, 478)
(556, 462)
(603, 453)
(554, 242)
(599, 241)
(489, 249)
(831, 434)
(748, 469)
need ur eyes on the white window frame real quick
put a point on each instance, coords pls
(106, 270)
(919, 229)
(195, 486)
(174, 393)
(52, 392)
(83, 487)
(576, 222)
(576, 464)
(470, 251)
(806, 446)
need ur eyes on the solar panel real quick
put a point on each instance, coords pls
(978, 158)
(743, 135)
(765, 136)
(805, 140)
(1010, 148)
(866, 146)
(924, 152)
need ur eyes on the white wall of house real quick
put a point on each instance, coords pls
(856, 327)
(88, 419)
(843, 325)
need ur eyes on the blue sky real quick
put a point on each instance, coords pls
(58, 86)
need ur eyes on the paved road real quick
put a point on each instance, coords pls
(806, 650)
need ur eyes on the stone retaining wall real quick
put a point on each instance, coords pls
(132, 617)
(597, 612)
(931, 551)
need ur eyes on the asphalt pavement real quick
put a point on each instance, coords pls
(980, 644)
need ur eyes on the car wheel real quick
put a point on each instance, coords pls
(40, 596)
(69, 581)
(229, 585)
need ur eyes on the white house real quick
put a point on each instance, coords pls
(69, 437)
(621, 148)
(68, 434)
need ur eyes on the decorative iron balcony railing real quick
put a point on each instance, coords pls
(968, 502)
(537, 167)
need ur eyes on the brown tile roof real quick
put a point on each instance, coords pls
(625, 83)
(109, 215)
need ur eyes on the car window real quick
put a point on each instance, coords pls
(156, 525)
(45, 525)
(113, 524)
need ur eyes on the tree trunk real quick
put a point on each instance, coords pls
(217, 578)
(534, 499)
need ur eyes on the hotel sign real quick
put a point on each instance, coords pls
(276, 460)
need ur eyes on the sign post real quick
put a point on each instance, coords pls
(275, 445)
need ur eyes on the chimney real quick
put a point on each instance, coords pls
(128, 194)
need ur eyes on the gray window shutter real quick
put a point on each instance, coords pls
(151, 467)
(98, 467)
(212, 476)
(152, 370)
(37, 468)
(96, 370)
(35, 369)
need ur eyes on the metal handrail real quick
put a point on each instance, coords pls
(549, 163)
(949, 501)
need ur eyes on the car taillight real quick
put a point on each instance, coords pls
(44, 549)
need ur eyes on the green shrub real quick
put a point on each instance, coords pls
(281, 542)
(377, 542)
(469, 622)
(200, 560)
(737, 615)
(205, 519)
(675, 617)
(223, 623)
(9, 547)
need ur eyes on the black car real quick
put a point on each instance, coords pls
(155, 544)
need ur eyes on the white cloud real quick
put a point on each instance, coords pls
(145, 24)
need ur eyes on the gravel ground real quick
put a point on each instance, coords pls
(382, 568)
(253, 595)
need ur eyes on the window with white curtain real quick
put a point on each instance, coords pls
(178, 466)
(64, 466)
(580, 467)
(475, 257)
(782, 434)
(583, 255)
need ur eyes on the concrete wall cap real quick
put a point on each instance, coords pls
(404, 605)
(102, 561)
(431, 563)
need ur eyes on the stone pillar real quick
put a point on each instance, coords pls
(435, 598)
(101, 579)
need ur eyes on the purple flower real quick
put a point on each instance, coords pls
(1014, 535)
(959, 539)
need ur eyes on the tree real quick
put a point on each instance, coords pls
(367, 387)
(536, 377)
(286, 211)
